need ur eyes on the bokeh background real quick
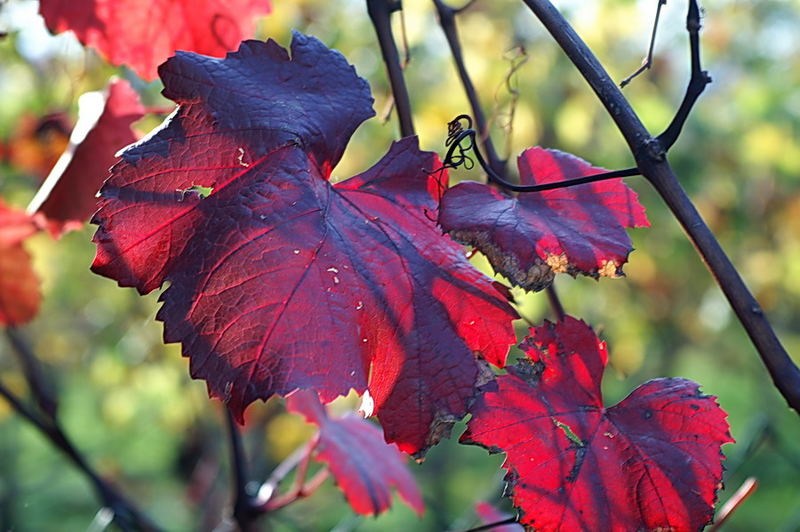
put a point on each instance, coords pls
(127, 399)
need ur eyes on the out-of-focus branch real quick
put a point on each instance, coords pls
(380, 13)
(245, 511)
(40, 385)
(126, 514)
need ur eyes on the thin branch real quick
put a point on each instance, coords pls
(648, 61)
(447, 16)
(380, 12)
(489, 526)
(125, 514)
(651, 161)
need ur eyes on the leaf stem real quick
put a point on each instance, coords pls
(454, 159)
(747, 488)
(268, 488)
(300, 459)
(651, 161)
(380, 12)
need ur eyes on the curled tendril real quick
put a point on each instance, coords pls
(455, 128)
(457, 154)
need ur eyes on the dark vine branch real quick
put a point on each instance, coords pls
(697, 82)
(651, 161)
(126, 515)
(457, 156)
(380, 13)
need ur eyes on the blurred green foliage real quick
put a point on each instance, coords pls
(128, 401)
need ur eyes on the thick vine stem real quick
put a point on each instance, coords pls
(650, 157)
(380, 13)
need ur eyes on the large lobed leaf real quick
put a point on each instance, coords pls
(532, 236)
(650, 462)
(365, 467)
(144, 33)
(280, 280)
(67, 197)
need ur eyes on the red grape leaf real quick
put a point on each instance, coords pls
(365, 467)
(67, 197)
(144, 33)
(650, 462)
(531, 237)
(280, 280)
(19, 285)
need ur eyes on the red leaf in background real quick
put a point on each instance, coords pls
(19, 286)
(144, 33)
(650, 462)
(489, 514)
(15, 225)
(279, 280)
(531, 237)
(365, 467)
(36, 143)
(67, 197)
